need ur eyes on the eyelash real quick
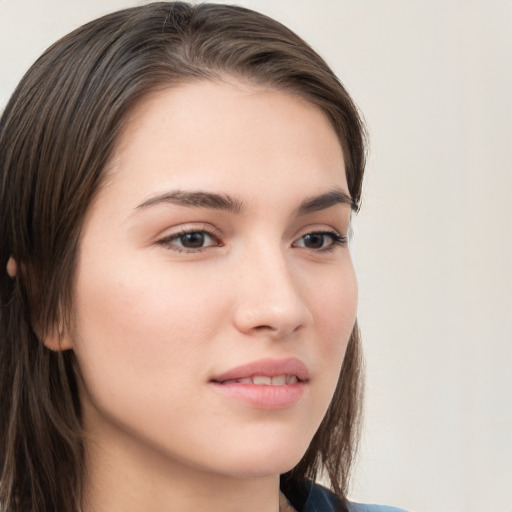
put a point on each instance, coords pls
(167, 241)
(337, 240)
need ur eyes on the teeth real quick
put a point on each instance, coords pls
(263, 380)
(279, 381)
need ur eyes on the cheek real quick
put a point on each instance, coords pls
(334, 306)
(142, 344)
(142, 321)
(332, 299)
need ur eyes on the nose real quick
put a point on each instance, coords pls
(269, 302)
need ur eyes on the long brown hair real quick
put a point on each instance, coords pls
(56, 135)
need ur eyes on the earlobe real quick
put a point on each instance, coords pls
(57, 339)
(57, 344)
(12, 267)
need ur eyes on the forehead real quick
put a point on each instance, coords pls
(223, 134)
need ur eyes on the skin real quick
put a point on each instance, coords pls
(155, 323)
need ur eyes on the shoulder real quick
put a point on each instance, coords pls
(307, 496)
(361, 507)
(320, 499)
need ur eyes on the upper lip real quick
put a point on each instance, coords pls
(267, 367)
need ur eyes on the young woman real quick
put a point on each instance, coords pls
(178, 302)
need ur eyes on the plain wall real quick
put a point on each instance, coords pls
(433, 242)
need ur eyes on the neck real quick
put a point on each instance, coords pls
(121, 477)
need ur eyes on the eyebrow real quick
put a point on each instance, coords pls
(324, 201)
(211, 200)
(195, 199)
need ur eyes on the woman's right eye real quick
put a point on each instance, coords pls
(190, 241)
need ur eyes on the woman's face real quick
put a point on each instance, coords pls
(215, 293)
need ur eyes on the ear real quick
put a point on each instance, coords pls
(57, 339)
(57, 343)
(12, 267)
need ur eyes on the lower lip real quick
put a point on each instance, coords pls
(263, 397)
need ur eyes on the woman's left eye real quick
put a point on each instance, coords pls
(190, 241)
(321, 240)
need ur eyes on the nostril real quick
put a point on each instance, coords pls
(265, 328)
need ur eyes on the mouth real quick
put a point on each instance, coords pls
(265, 384)
(265, 380)
(276, 372)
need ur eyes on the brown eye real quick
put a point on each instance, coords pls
(192, 240)
(314, 240)
(320, 240)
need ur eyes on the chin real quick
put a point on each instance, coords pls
(257, 461)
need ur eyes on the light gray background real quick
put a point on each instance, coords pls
(433, 243)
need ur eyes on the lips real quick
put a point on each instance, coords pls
(273, 368)
(264, 384)
(263, 380)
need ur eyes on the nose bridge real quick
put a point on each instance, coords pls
(268, 298)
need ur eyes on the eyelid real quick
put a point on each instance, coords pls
(338, 240)
(324, 227)
(182, 230)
